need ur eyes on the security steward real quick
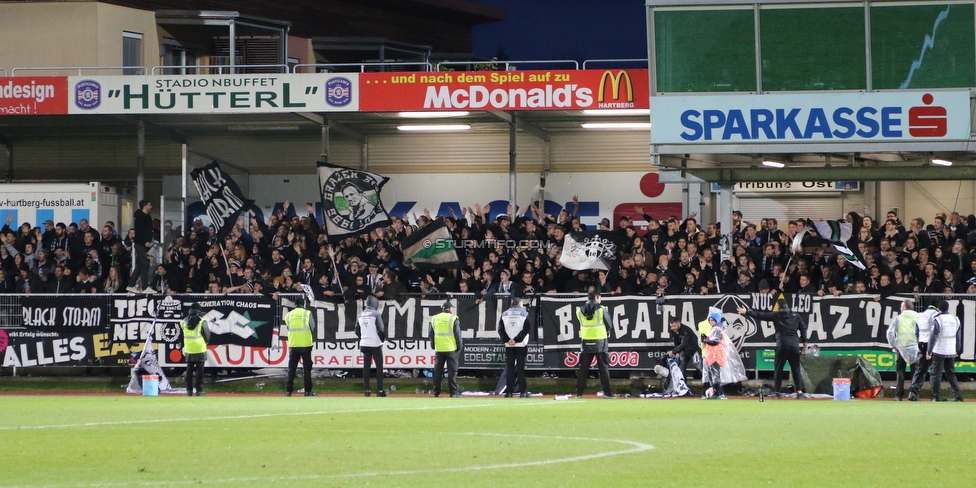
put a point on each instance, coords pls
(594, 330)
(513, 329)
(196, 334)
(446, 339)
(300, 322)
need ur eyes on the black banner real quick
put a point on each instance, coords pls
(70, 314)
(245, 329)
(221, 196)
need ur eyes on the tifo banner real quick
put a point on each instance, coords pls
(34, 95)
(63, 313)
(211, 94)
(246, 320)
(221, 196)
(28, 348)
(504, 90)
(812, 117)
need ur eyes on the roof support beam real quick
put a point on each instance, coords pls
(333, 125)
(511, 117)
(861, 173)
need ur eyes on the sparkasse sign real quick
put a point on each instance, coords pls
(504, 90)
(904, 116)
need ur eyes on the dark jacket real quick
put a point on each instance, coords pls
(787, 323)
(685, 342)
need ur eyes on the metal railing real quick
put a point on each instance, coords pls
(363, 67)
(510, 65)
(4, 71)
(81, 69)
(281, 68)
(616, 61)
(492, 65)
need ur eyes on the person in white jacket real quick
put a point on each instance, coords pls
(371, 332)
(944, 346)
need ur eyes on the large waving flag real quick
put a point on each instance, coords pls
(594, 249)
(431, 246)
(221, 196)
(149, 364)
(351, 201)
(833, 232)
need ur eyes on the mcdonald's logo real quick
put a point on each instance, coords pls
(616, 98)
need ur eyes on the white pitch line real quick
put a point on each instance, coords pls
(636, 447)
(265, 415)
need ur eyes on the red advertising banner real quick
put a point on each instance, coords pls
(34, 95)
(504, 90)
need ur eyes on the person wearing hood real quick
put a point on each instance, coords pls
(196, 335)
(300, 321)
(720, 359)
(790, 328)
(371, 332)
(447, 342)
(945, 345)
(513, 330)
(923, 327)
(594, 320)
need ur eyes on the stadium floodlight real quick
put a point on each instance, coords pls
(616, 125)
(617, 111)
(433, 128)
(432, 114)
(941, 162)
(773, 164)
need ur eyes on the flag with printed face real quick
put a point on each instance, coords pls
(351, 202)
(590, 250)
(221, 196)
(431, 246)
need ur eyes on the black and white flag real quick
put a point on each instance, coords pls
(590, 250)
(221, 196)
(351, 202)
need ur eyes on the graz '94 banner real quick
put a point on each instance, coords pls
(641, 323)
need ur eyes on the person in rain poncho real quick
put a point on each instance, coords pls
(720, 358)
(903, 339)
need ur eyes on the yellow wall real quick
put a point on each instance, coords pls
(71, 34)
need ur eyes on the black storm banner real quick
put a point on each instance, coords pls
(221, 196)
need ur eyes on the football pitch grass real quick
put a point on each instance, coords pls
(259, 440)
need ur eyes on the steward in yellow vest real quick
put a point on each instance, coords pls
(300, 322)
(594, 331)
(447, 342)
(196, 334)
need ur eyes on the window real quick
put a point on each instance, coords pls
(132, 53)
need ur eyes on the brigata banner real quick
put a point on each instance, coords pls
(640, 323)
(34, 95)
(912, 116)
(212, 94)
(504, 90)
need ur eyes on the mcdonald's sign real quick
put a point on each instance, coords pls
(616, 98)
(505, 90)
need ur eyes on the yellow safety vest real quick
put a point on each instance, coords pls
(906, 329)
(443, 325)
(704, 328)
(592, 329)
(193, 342)
(299, 328)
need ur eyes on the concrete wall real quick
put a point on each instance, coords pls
(926, 198)
(72, 34)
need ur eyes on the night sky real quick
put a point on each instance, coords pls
(565, 29)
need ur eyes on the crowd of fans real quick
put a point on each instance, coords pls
(515, 251)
